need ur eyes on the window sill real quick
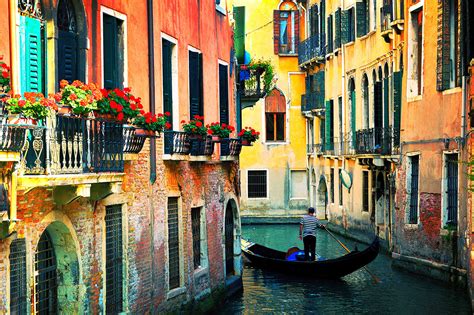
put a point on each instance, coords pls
(288, 55)
(257, 198)
(175, 292)
(220, 10)
(201, 272)
(299, 199)
(411, 226)
(275, 143)
(414, 98)
(336, 51)
(349, 44)
(453, 90)
(329, 56)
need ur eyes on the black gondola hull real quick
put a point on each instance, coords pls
(268, 258)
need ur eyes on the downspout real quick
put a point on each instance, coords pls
(151, 70)
(343, 92)
(13, 48)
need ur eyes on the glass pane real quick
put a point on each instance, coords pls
(280, 125)
(270, 128)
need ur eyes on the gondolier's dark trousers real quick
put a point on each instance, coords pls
(309, 242)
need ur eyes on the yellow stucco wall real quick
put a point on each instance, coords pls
(277, 157)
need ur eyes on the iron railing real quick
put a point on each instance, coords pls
(73, 145)
(312, 101)
(176, 142)
(12, 137)
(202, 147)
(310, 49)
(386, 15)
(132, 143)
(251, 85)
(376, 141)
(231, 147)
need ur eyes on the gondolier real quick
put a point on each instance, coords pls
(308, 225)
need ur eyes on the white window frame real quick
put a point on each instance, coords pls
(119, 16)
(174, 78)
(444, 188)
(267, 183)
(408, 188)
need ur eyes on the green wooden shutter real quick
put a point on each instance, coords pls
(67, 56)
(329, 126)
(443, 61)
(385, 103)
(378, 115)
(239, 37)
(361, 15)
(337, 34)
(201, 85)
(32, 55)
(167, 80)
(223, 95)
(353, 117)
(397, 104)
(276, 31)
(345, 27)
(322, 32)
(194, 84)
(110, 39)
(319, 79)
(329, 35)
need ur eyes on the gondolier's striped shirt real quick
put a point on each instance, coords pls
(310, 223)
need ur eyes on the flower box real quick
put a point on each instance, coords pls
(140, 132)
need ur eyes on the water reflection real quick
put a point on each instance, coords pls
(398, 293)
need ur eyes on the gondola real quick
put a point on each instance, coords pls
(268, 258)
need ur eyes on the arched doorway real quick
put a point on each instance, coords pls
(232, 239)
(57, 278)
(380, 199)
(322, 200)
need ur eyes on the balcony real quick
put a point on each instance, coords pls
(251, 87)
(313, 102)
(230, 149)
(380, 141)
(201, 149)
(386, 18)
(176, 145)
(80, 155)
(132, 144)
(12, 140)
(310, 51)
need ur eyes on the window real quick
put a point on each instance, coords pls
(415, 53)
(67, 42)
(196, 229)
(365, 98)
(372, 14)
(363, 16)
(113, 54)
(448, 47)
(340, 122)
(173, 244)
(18, 289)
(365, 191)
(275, 116)
(331, 177)
(337, 28)
(329, 129)
(46, 293)
(310, 136)
(314, 20)
(450, 217)
(286, 28)
(114, 259)
(330, 41)
(223, 94)
(340, 188)
(220, 6)
(169, 78)
(353, 109)
(257, 184)
(412, 187)
(299, 184)
(351, 25)
(195, 84)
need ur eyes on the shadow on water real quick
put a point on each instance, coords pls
(398, 292)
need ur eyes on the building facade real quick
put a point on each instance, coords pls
(273, 172)
(95, 219)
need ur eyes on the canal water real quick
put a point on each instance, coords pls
(398, 292)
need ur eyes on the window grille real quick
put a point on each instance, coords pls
(173, 243)
(229, 241)
(18, 290)
(452, 174)
(46, 277)
(114, 259)
(257, 184)
(413, 215)
(196, 226)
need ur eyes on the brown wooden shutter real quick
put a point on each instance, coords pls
(275, 102)
(276, 31)
(297, 30)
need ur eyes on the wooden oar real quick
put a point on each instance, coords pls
(374, 277)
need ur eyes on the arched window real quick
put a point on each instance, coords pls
(365, 99)
(286, 25)
(67, 41)
(378, 100)
(353, 108)
(275, 116)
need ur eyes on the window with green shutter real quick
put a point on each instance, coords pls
(337, 29)
(344, 27)
(329, 121)
(195, 84)
(362, 9)
(32, 55)
(223, 94)
(330, 42)
(113, 52)
(167, 48)
(397, 105)
(67, 42)
(351, 25)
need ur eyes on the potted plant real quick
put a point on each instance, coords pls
(32, 107)
(78, 98)
(264, 67)
(148, 124)
(195, 127)
(248, 135)
(219, 131)
(118, 104)
(4, 77)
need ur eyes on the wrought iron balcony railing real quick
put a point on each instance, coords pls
(312, 101)
(71, 145)
(202, 147)
(12, 137)
(251, 86)
(230, 147)
(132, 143)
(310, 50)
(376, 141)
(176, 142)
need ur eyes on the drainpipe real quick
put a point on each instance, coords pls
(151, 70)
(13, 48)
(343, 92)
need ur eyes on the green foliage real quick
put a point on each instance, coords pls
(265, 67)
